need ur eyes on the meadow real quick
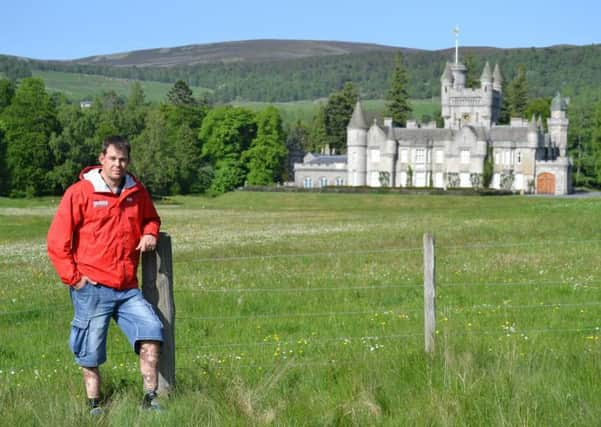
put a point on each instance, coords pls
(306, 309)
(77, 87)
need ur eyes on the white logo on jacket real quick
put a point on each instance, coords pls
(100, 203)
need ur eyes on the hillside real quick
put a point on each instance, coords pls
(228, 52)
(288, 70)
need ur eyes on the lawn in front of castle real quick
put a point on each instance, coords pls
(307, 309)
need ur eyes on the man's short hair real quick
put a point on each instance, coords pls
(118, 142)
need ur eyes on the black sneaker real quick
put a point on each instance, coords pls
(150, 402)
(95, 408)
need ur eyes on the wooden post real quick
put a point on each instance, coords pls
(429, 293)
(157, 288)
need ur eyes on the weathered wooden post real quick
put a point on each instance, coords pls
(157, 288)
(429, 293)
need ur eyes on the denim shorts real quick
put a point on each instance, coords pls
(94, 305)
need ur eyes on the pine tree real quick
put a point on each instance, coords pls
(397, 96)
(181, 94)
(515, 100)
(338, 112)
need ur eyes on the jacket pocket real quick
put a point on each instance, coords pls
(78, 338)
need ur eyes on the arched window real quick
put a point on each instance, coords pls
(308, 182)
(323, 182)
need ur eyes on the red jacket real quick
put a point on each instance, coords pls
(95, 232)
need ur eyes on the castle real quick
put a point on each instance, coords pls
(525, 158)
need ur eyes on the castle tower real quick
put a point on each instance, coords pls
(389, 155)
(497, 85)
(446, 84)
(558, 124)
(486, 92)
(356, 137)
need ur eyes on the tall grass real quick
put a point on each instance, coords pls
(307, 309)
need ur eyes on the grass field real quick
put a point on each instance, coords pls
(87, 86)
(304, 111)
(82, 86)
(307, 310)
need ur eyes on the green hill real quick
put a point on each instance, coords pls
(283, 71)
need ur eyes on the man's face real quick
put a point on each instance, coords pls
(114, 164)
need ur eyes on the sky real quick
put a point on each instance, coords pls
(70, 29)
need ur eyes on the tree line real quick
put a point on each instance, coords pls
(571, 69)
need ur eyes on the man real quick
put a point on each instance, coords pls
(102, 224)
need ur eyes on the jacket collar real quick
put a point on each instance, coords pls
(93, 177)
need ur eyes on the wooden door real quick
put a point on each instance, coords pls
(545, 183)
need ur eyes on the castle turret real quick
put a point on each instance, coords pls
(389, 155)
(558, 124)
(446, 83)
(497, 79)
(459, 75)
(533, 132)
(356, 132)
(486, 91)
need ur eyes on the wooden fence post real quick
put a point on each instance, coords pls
(157, 288)
(429, 293)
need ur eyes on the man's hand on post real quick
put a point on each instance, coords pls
(147, 243)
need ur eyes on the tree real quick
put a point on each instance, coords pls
(180, 94)
(73, 148)
(472, 79)
(3, 167)
(596, 144)
(29, 122)
(225, 134)
(538, 107)
(133, 116)
(337, 113)
(516, 97)
(152, 159)
(397, 96)
(297, 142)
(318, 135)
(265, 159)
(7, 91)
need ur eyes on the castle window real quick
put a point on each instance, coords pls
(404, 156)
(308, 182)
(420, 155)
(323, 182)
(439, 156)
(339, 180)
(465, 156)
(519, 157)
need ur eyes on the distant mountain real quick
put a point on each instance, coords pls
(228, 52)
(291, 70)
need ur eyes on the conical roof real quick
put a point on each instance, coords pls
(447, 74)
(358, 118)
(486, 74)
(497, 76)
(559, 103)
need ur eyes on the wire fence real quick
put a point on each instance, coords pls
(25, 315)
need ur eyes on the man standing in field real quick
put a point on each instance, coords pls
(102, 224)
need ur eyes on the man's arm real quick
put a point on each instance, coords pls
(60, 238)
(151, 224)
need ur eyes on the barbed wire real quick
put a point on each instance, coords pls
(445, 334)
(389, 250)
